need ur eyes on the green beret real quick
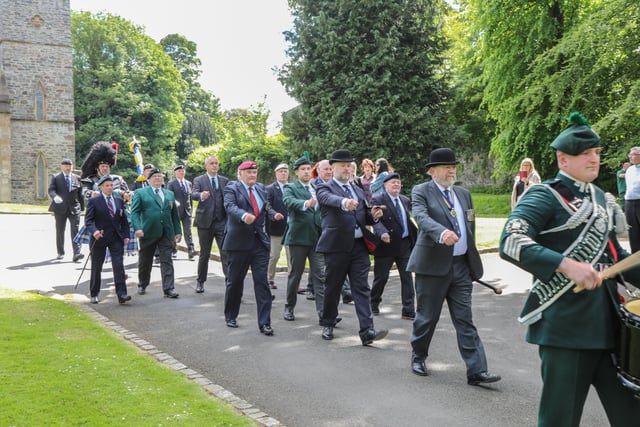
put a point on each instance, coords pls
(576, 138)
(301, 161)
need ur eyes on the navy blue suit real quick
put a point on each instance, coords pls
(246, 245)
(114, 230)
(344, 254)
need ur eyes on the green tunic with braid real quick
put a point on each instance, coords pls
(584, 320)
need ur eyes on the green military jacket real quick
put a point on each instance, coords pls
(584, 320)
(153, 216)
(304, 225)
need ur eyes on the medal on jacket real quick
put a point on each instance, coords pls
(449, 202)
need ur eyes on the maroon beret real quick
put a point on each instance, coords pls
(247, 165)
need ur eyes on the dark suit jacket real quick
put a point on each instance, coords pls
(184, 200)
(274, 194)
(433, 217)
(72, 201)
(206, 209)
(98, 218)
(304, 225)
(153, 216)
(239, 236)
(338, 225)
(391, 223)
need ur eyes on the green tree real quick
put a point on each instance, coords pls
(125, 86)
(199, 105)
(542, 60)
(243, 136)
(370, 77)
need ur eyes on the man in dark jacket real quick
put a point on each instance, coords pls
(277, 227)
(67, 202)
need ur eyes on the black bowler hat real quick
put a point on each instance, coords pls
(104, 179)
(391, 176)
(341, 156)
(442, 156)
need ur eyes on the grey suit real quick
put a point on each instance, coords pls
(440, 275)
(211, 219)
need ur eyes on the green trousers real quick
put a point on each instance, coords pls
(567, 375)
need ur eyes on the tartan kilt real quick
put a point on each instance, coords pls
(83, 237)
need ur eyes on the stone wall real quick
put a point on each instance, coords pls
(35, 49)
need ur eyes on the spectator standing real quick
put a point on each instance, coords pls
(383, 168)
(526, 177)
(632, 199)
(181, 188)
(67, 202)
(211, 217)
(277, 227)
(622, 183)
(367, 178)
(156, 224)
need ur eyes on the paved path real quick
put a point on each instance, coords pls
(295, 376)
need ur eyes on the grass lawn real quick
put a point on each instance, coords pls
(59, 366)
(17, 208)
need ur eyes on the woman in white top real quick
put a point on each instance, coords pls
(526, 177)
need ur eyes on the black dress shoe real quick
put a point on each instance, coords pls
(60, 256)
(123, 299)
(417, 366)
(346, 299)
(375, 310)
(311, 296)
(272, 285)
(302, 291)
(327, 333)
(232, 323)
(372, 335)
(267, 330)
(408, 316)
(142, 290)
(94, 300)
(171, 294)
(288, 314)
(482, 378)
(199, 287)
(77, 257)
(192, 254)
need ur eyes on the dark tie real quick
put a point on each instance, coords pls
(401, 216)
(348, 190)
(110, 206)
(184, 187)
(157, 190)
(66, 178)
(254, 202)
(456, 226)
(214, 184)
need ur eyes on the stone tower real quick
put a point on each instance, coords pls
(36, 96)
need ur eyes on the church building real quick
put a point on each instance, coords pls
(36, 96)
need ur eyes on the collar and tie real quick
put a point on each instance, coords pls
(214, 183)
(450, 201)
(159, 193)
(184, 186)
(347, 189)
(405, 230)
(254, 202)
(66, 178)
(112, 211)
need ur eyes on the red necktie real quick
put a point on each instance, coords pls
(110, 206)
(254, 203)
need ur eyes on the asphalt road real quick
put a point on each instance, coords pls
(295, 376)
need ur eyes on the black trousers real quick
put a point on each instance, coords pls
(381, 268)
(98, 253)
(206, 236)
(61, 225)
(632, 213)
(145, 261)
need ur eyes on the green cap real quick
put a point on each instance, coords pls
(301, 161)
(576, 138)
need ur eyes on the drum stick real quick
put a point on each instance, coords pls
(496, 290)
(617, 268)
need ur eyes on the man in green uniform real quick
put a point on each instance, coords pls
(559, 232)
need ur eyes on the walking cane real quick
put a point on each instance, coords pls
(84, 267)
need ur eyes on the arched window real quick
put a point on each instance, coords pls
(41, 102)
(41, 177)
